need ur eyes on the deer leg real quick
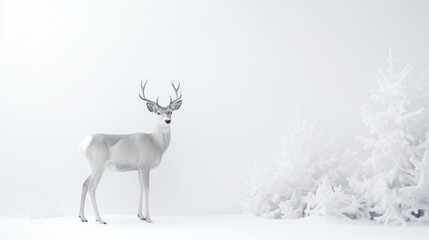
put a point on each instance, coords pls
(140, 213)
(95, 179)
(82, 200)
(144, 175)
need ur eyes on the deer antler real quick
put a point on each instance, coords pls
(142, 95)
(176, 91)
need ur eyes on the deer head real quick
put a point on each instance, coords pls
(164, 113)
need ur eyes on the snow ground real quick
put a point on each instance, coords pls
(204, 227)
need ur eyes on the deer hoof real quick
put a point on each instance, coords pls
(83, 219)
(148, 220)
(101, 221)
(141, 217)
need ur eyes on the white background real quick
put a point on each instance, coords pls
(71, 68)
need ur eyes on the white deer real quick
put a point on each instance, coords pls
(129, 152)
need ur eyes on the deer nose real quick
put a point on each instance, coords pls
(168, 121)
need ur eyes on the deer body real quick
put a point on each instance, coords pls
(128, 152)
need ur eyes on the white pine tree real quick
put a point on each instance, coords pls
(311, 165)
(392, 181)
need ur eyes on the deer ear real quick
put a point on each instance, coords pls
(176, 105)
(152, 107)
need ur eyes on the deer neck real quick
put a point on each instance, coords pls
(161, 135)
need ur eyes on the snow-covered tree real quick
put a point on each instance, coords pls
(391, 186)
(392, 183)
(308, 179)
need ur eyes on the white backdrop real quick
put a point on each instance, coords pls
(71, 68)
